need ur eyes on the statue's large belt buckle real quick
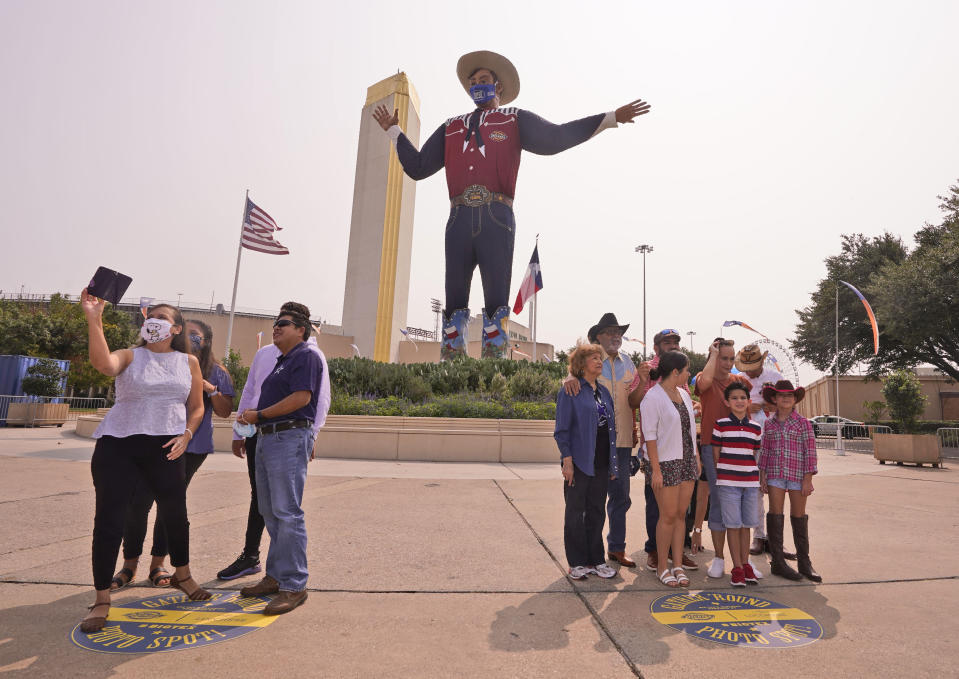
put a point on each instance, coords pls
(476, 195)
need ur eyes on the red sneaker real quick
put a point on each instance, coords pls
(749, 574)
(738, 578)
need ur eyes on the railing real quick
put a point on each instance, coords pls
(856, 438)
(948, 442)
(34, 411)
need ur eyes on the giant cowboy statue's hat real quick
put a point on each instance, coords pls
(607, 321)
(782, 387)
(750, 358)
(503, 68)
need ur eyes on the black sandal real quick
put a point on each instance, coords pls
(159, 573)
(123, 578)
(198, 594)
(96, 623)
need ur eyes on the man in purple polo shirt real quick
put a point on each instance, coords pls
(262, 365)
(284, 416)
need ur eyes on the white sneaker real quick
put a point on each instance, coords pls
(758, 573)
(579, 572)
(716, 568)
(603, 570)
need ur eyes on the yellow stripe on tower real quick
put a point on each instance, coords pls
(391, 229)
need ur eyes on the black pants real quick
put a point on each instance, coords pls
(135, 527)
(254, 522)
(480, 236)
(118, 465)
(586, 510)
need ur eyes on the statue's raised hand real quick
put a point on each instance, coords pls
(383, 117)
(625, 114)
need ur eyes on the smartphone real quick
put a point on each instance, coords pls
(109, 285)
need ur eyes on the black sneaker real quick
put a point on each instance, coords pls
(244, 565)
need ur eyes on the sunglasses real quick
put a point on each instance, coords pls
(668, 331)
(283, 322)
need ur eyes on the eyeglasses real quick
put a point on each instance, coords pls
(667, 331)
(283, 322)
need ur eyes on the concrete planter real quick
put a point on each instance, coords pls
(435, 439)
(916, 449)
(37, 414)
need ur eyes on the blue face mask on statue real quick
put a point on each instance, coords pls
(482, 93)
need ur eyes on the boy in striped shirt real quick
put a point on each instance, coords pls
(736, 439)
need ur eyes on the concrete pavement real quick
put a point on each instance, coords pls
(431, 569)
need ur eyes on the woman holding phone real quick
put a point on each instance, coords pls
(158, 407)
(217, 399)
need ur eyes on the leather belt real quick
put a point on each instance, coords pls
(476, 195)
(276, 427)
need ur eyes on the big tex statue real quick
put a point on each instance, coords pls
(481, 152)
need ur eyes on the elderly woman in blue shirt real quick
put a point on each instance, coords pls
(586, 435)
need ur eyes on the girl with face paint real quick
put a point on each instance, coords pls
(159, 406)
(218, 399)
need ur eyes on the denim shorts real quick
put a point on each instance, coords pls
(740, 506)
(784, 484)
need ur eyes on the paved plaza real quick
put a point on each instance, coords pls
(457, 570)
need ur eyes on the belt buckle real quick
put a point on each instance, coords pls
(476, 195)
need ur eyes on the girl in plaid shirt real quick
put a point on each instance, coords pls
(787, 462)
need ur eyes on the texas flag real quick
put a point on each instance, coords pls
(532, 283)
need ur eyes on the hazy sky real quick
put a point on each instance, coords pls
(130, 131)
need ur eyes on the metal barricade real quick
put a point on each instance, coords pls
(36, 411)
(948, 438)
(856, 438)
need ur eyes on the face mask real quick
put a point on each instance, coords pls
(244, 430)
(196, 341)
(483, 93)
(156, 330)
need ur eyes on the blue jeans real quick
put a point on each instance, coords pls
(281, 461)
(715, 519)
(479, 236)
(739, 506)
(619, 503)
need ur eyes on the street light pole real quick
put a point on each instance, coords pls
(644, 248)
(437, 308)
(691, 333)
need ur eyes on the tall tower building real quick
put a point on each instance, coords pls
(381, 228)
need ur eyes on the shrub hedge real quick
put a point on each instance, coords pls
(417, 382)
(456, 405)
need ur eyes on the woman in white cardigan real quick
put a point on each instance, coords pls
(669, 428)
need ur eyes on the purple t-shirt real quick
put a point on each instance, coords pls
(202, 441)
(300, 369)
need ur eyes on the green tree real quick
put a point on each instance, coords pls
(915, 296)
(874, 410)
(238, 373)
(904, 396)
(24, 330)
(43, 378)
(697, 361)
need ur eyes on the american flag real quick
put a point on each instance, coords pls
(258, 230)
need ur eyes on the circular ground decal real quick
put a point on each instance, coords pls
(172, 622)
(736, 619)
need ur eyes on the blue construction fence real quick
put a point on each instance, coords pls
(14, 368)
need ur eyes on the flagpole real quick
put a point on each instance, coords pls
(236, 277)
(536, 247)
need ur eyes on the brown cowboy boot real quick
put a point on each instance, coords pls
(774, 533)
(801, 538)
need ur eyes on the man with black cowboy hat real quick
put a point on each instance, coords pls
(481, 153)
(619, 377)
(751, 361)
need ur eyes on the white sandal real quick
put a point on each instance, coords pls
(668, 579)
(682, 578)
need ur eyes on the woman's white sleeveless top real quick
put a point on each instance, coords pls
(151, 396)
